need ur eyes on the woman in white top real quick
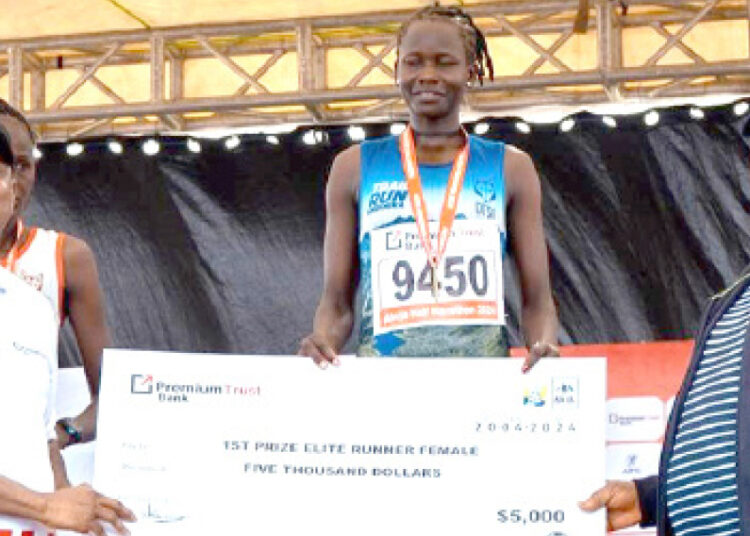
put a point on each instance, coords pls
(35, 498)
(62, 268)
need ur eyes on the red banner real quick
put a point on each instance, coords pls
(642, 380)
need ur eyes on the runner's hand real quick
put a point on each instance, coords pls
(537, 351)
(81, 509)
(319, 349)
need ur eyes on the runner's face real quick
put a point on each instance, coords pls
(7, 195)
(432, 69)
(23, 151)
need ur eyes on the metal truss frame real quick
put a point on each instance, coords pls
(164, 52)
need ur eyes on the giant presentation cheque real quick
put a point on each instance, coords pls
(271, 446)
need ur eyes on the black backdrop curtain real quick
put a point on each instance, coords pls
(221, 251)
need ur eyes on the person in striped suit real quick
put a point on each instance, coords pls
(703, 485)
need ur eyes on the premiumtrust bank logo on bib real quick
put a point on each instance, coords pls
(387, 195)
(399, 239)
(182, 392)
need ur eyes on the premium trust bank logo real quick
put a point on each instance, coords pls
(146, 384)
(141, 384)
(400, 240)
(394, 240)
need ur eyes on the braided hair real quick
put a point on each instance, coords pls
(475, 44)
(7, 109)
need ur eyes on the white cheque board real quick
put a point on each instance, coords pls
(272, 445)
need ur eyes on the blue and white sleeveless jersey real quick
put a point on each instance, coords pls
(399, 314)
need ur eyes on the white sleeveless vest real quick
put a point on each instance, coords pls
(28, 380)
(39, 262)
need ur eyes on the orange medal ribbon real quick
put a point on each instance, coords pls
(419, 206)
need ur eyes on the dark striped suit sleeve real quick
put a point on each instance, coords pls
(647, 499)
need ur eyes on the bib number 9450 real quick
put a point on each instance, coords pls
(458, 275)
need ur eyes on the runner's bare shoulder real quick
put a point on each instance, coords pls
(345, 172)
(516, 159)
(519, 171)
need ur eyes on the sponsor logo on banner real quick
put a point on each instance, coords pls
(632, 460)
(565, 392)
(146, 384)
(638, 418)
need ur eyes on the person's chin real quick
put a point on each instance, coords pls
(431, 110)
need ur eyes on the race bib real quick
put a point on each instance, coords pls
(469, 290)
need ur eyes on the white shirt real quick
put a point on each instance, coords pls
(28, 378)
(40, 264)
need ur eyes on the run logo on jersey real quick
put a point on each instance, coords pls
(387, 195)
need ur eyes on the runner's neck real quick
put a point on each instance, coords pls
(438, 147)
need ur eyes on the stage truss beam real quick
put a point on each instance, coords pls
(322, 89)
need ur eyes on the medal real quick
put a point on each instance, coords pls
(419, 206)
(434, 281)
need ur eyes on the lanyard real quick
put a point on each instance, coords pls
(419, 206)
(12, 256)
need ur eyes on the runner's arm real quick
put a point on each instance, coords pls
(334, 316)
(538, 312)
(58, 465)
(87, 317)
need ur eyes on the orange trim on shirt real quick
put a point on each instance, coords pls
(60, 275)
(23, 249)
(27, 244)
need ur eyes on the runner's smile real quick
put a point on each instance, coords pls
(428, 95)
